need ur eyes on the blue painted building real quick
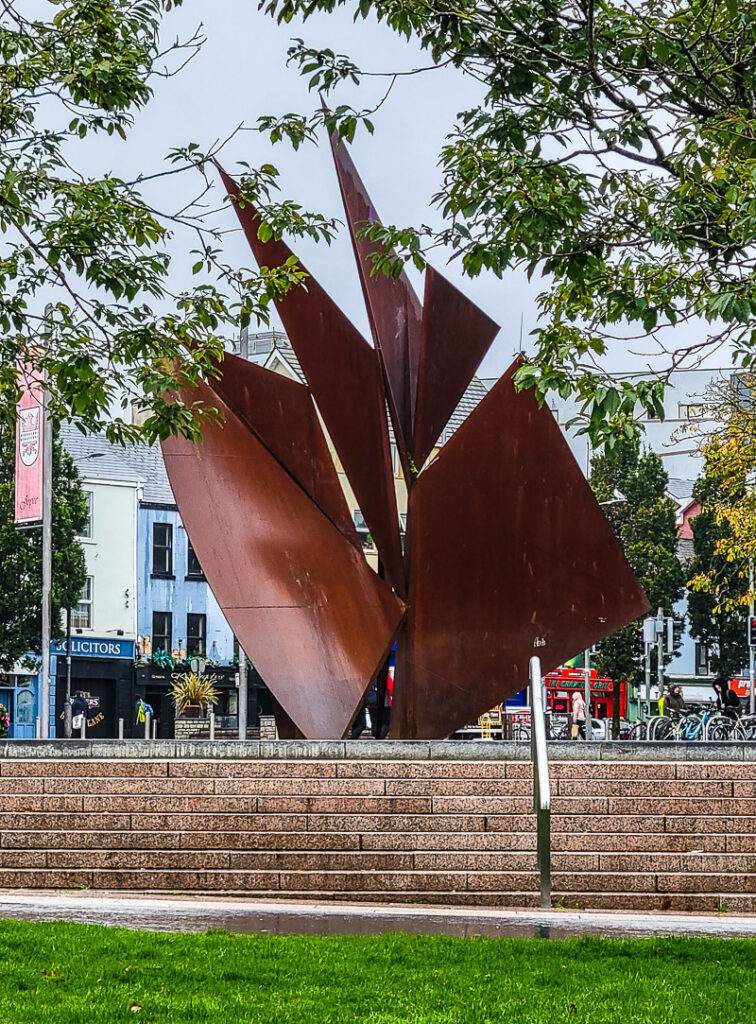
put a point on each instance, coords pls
(176, 609)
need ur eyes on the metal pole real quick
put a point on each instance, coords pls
(37, 727)
(243, 700)
(587, 695)
(120, 728)
(647, 713)
(46, 565)
(84, 726)
(659, 656)
(752, 697)
(147, 717)
(541, 785)
(211, 717)
(68, 723)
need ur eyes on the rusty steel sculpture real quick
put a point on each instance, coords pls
(506, 554)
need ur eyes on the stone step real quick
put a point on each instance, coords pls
(325, 802)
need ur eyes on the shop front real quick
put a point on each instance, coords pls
(18, 695)
(153, 685)
(561, 684)
(102, 669)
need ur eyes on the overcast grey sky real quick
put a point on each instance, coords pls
(241, 73)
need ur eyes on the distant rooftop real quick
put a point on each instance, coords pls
(261, 347)
(680, 490)
(98, 459)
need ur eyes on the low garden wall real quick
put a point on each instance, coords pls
(634, 826)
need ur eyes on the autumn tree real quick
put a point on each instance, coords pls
(631, 484)
(720, 585)
(725, 531)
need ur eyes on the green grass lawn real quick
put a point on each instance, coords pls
(66, 972)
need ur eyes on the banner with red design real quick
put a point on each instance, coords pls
(29, 448)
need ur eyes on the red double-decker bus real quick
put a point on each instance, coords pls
(562, 683)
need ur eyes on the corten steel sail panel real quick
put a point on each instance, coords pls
(456, 335)
(510, 556)
(302, 600)
(394, 310)
(346, 382)
(280, 413)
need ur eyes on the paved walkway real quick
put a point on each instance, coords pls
(197, 914)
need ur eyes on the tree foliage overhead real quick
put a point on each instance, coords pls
(84, 261)
(21, 555)
(614, 152)
(645, 526)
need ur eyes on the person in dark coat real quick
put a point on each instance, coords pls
(674, 702)
(728, 701)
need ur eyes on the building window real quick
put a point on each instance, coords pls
(193, 567)
(162, 549)
(702, 659)
(195, 634)
(362, 531)
(87, 530)
(162, 631)
(690, 411)
(81, 615)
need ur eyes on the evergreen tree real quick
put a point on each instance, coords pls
(21, 555)
(644, 523)
(717, 617)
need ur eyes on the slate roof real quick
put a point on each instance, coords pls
(681, 490)
(98, 459)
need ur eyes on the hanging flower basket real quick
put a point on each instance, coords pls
(4, 722)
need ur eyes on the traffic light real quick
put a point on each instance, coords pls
(675, 630)
(752, 632)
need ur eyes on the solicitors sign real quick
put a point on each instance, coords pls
(94, 647)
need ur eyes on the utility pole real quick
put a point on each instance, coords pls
(752, 696)
(587, 695)
(649, 637)
(47, 459)
(68, 717)
(241, 703)
(659, 654)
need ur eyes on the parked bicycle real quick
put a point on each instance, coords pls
(696, 724)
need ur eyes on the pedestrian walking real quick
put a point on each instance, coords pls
(578, 715)
(79, 710)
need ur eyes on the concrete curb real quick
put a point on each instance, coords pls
(371, 750)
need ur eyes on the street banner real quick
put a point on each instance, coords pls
(29, 448)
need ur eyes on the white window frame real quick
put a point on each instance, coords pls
(685, 411)
(88, 532)
(86, 602)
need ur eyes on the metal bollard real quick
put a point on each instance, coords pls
(147, 723)
(37, 728)
(83, 727)
(212, 724)
(154, 729)
(120, 728)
